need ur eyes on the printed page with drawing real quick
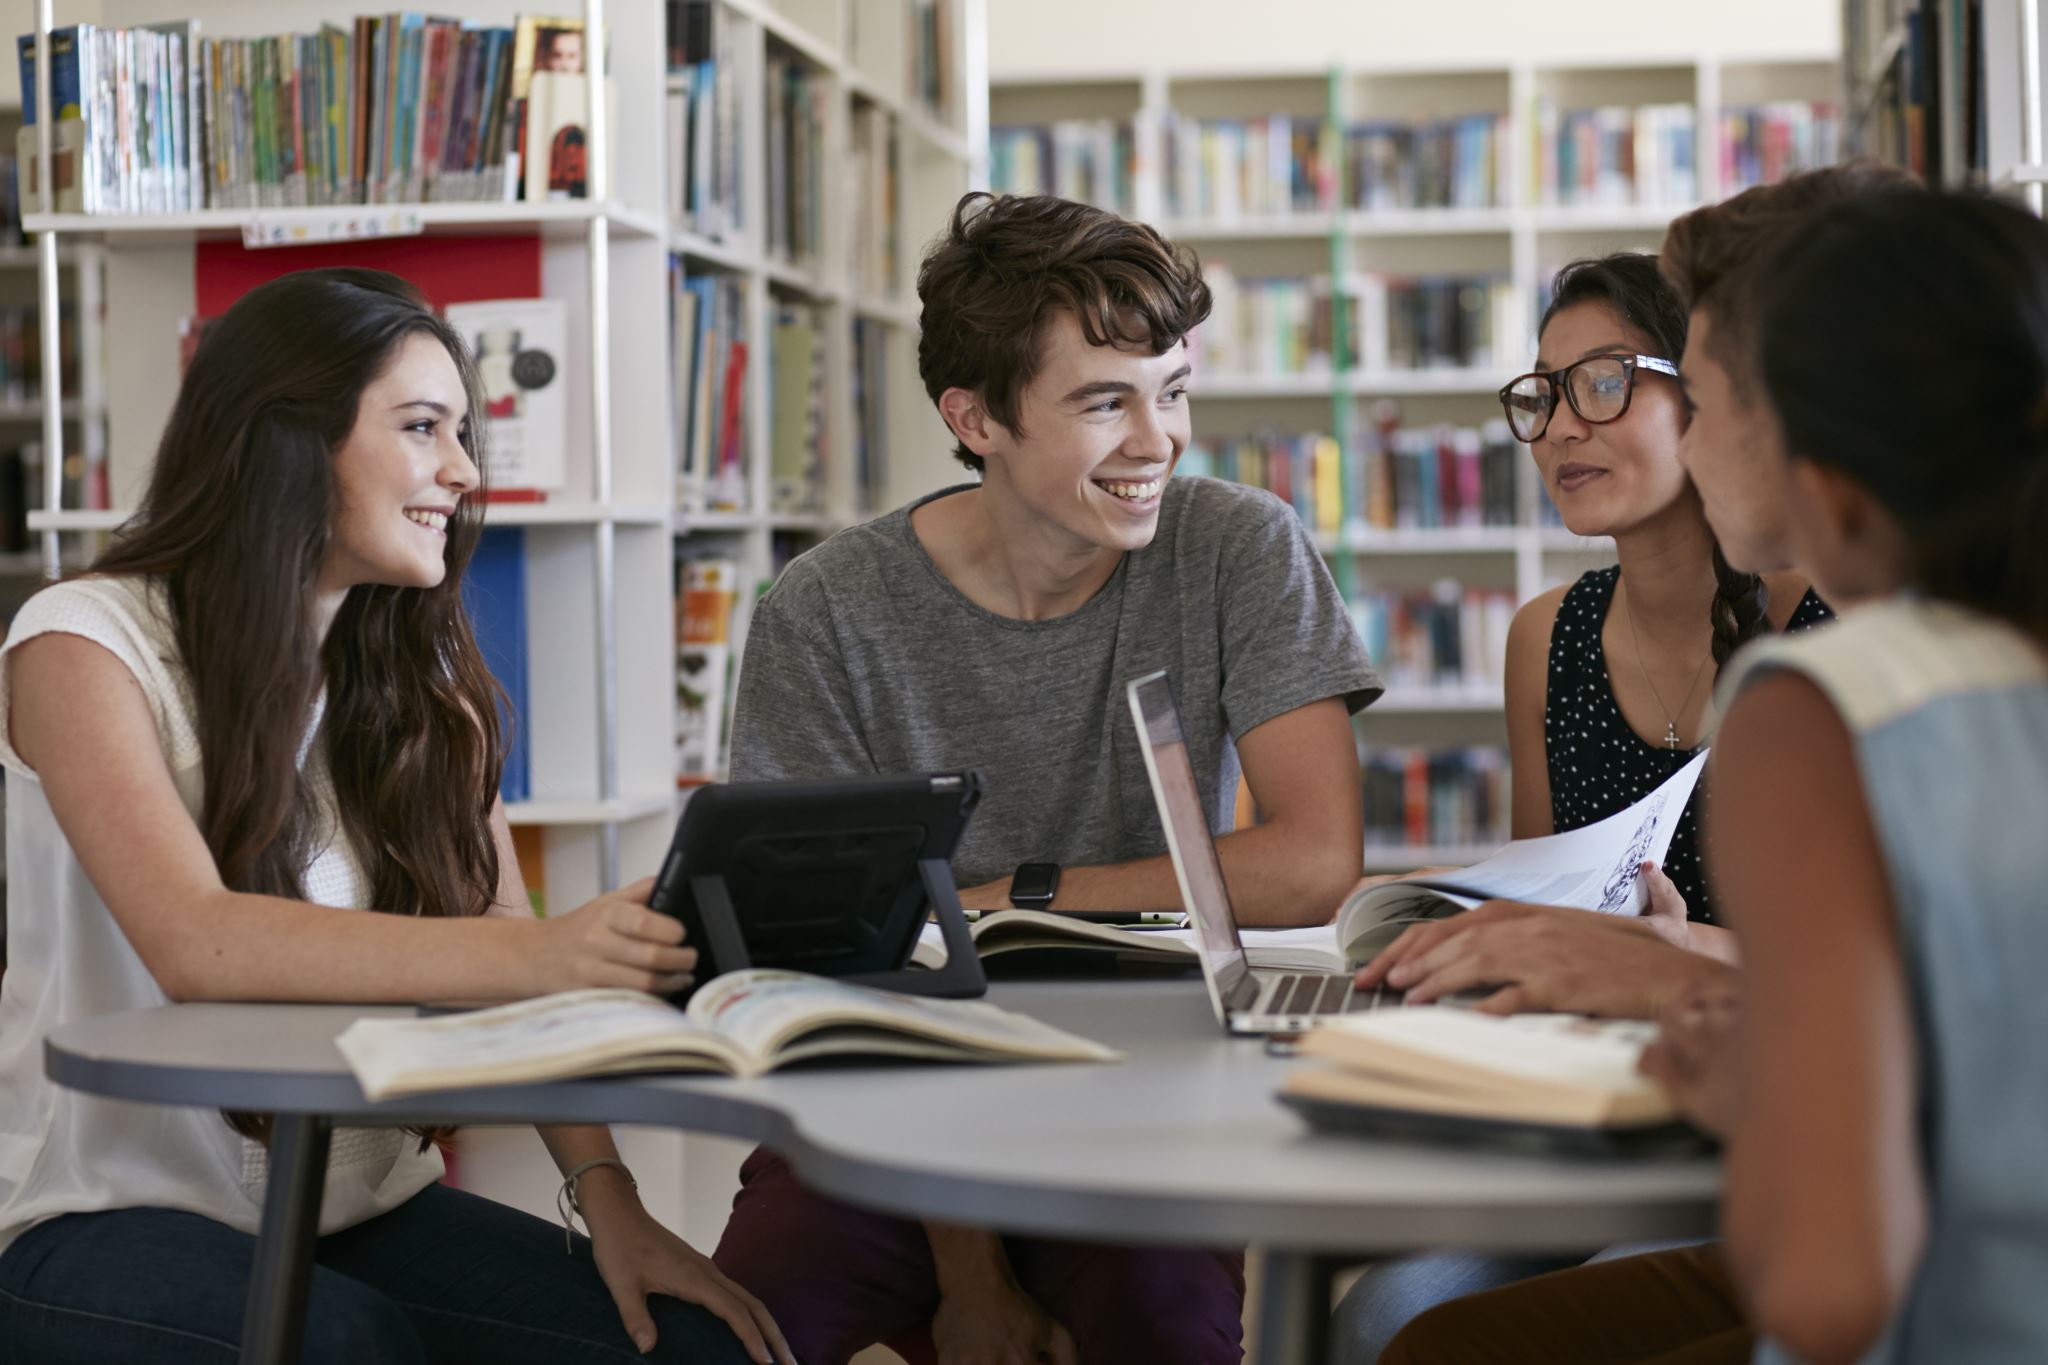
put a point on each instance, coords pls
(1596, 867)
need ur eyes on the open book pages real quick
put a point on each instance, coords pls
(1012, 931)
(1557, 1069)
(1596, 867)
(742, 1023)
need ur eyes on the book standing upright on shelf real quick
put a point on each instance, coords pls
(796, 428)
(539, 43)
(69, 146)
(520, 347)
(557, 142)
(707, 593)
(494, 595)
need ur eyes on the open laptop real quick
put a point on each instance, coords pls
(1248, 999)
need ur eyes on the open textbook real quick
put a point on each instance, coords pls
(742, 1023)
(1595, 867)
(1428, 1071)
(1005, 932)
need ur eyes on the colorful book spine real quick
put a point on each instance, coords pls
(494, 595)
(1437, 798)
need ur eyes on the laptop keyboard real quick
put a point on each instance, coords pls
(1308, 993)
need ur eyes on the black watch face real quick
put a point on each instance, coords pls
(1035, 882)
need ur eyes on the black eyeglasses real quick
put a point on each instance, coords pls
(1598, 388)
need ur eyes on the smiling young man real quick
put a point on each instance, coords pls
(993, 626)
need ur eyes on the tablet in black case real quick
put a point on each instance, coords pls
(835, 878)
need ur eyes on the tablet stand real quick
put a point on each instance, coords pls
(961, 976)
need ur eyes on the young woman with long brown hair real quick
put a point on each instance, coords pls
(259, 716)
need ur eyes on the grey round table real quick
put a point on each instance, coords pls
(1181, 1142)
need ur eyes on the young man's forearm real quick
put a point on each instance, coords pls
(1280, 876)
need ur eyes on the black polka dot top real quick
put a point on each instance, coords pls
(1598, 765)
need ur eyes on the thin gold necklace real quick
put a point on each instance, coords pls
(1670, 721)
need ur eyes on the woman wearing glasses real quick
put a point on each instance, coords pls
(1608, 686)
(1609, 678)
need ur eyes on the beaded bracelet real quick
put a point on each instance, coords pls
(565, 1198)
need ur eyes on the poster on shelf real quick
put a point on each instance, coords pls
(519, 347)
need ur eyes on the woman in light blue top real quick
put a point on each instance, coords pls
(1882, 789)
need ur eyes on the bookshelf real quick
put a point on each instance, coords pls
(1493, 213)
(1951, 89)
(601, 551)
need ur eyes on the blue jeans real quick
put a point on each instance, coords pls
(446, 1276)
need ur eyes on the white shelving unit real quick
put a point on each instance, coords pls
(600, 552)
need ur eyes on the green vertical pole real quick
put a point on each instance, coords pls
(1340, 332)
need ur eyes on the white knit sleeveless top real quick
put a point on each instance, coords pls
(62, 1151)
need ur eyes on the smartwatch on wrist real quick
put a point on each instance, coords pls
(1033, 885)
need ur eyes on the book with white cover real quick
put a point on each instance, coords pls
(1595, 867)
(741, 1023)
(1556, 1069)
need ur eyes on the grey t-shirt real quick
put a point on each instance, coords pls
(864, 659)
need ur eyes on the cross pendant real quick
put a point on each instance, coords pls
(1670, 734)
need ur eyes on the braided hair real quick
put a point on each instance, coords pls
(1629, 283)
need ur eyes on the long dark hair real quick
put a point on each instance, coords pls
(1907, 346)
(236, 525)
(1630, 283)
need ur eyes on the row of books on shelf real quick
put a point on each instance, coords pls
(1273, 167)
(873, 202)
(1386, 477)
(1227, 168)
(1450, 636)
(1304, 325)
(703, 149)
(709, 349)
(1261, 167)
(1459, 163)
(712, 356)
(703, 146)
(1764, 144)
(396, 108)
(796, 94)
(1435, 797)
(1094, 161)
(1616, 155)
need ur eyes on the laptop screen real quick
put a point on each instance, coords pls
(1187, 835)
